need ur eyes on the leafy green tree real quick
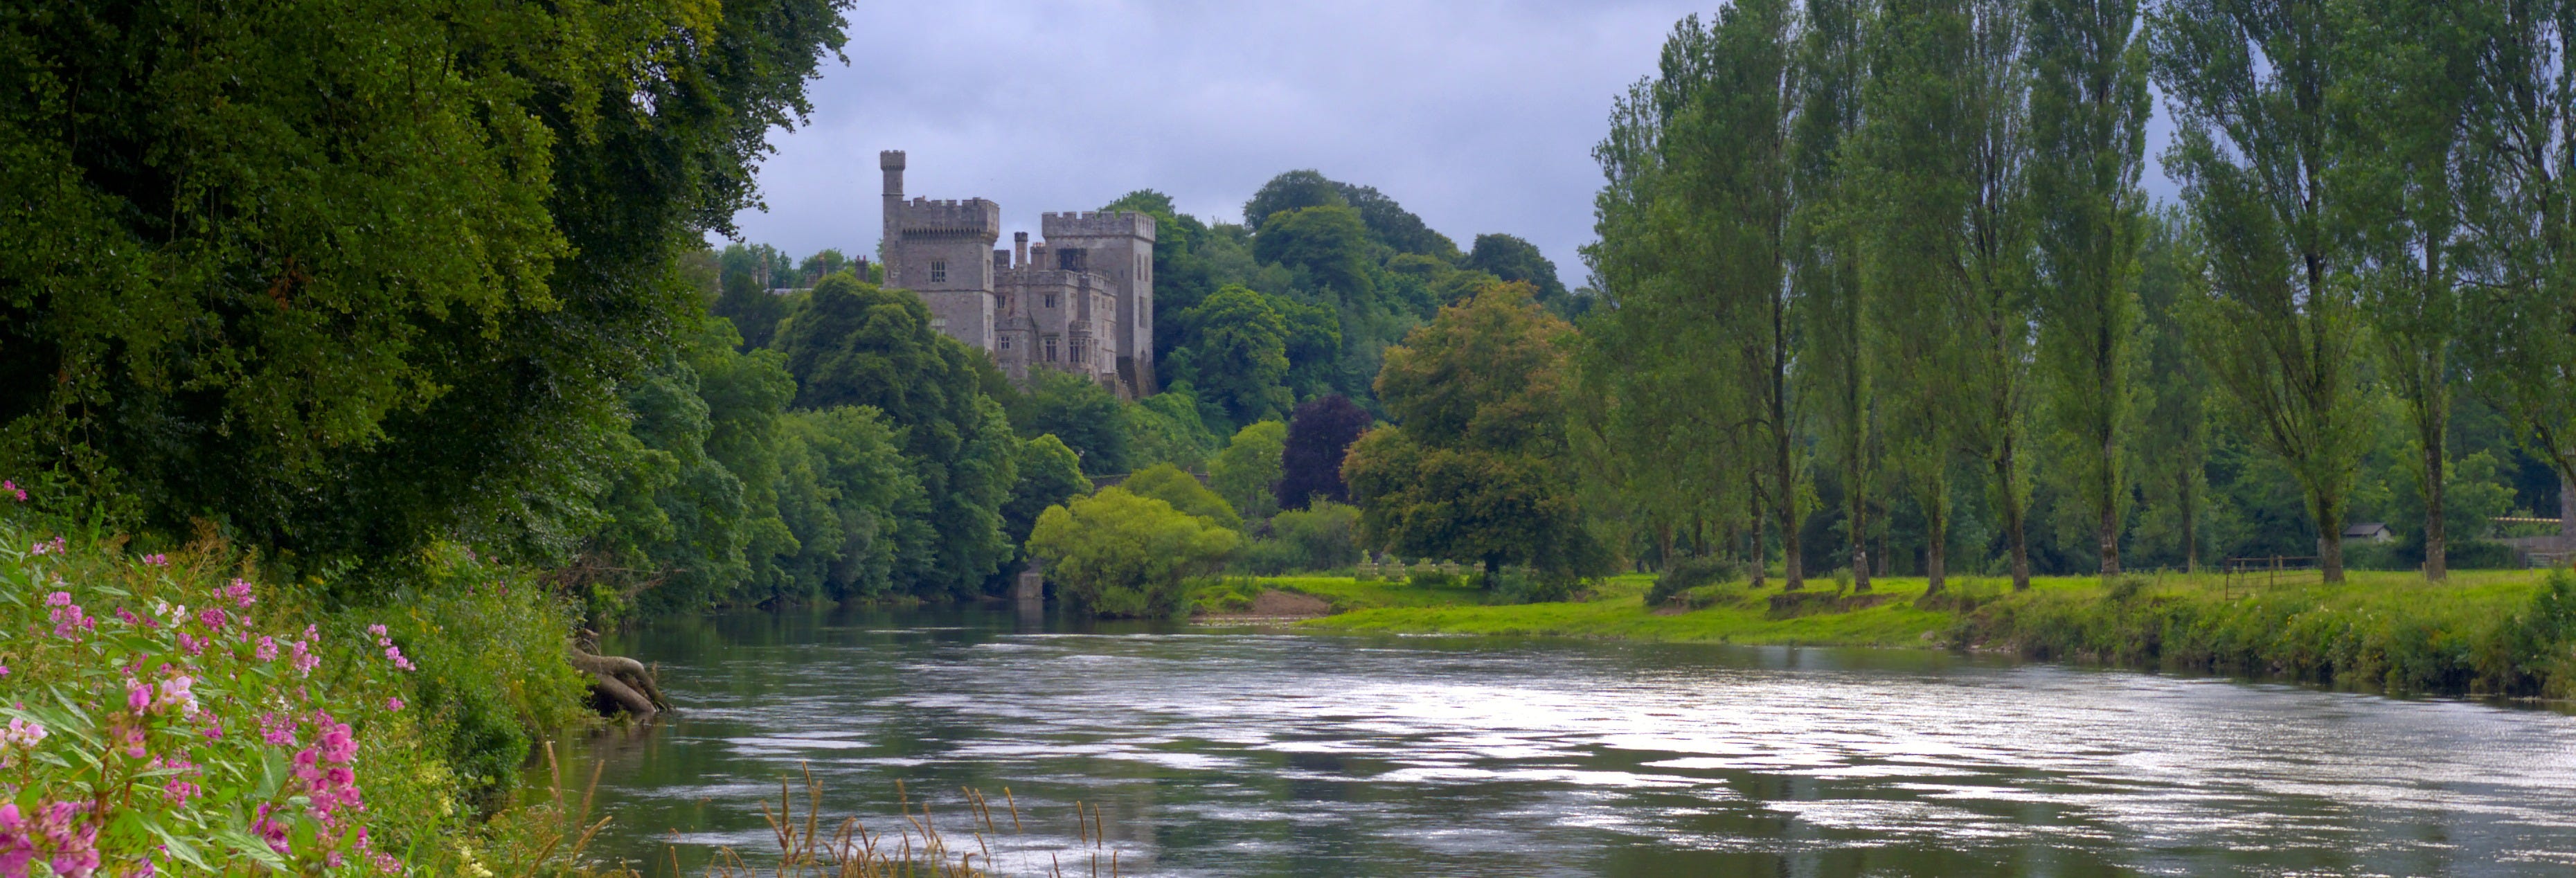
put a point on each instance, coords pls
(1510, 258)
(1167, 428)
(2173, 443)
(1049, 476)
(1329, 244)
(1119, 554)
(2088, 119)
(239, 243)
(1171, 485)
(1247, 472)
(857, 344)
(676, 514)
(745, 395)
(877, 513)
(1319, 433)
(1477, 467)
(1241, 355)
(1324, 536)
(1080, 413)
(1832, 312)
(2279, 330)
(823, 263)
(1292, 191)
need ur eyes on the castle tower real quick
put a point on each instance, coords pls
(942, 251)
(1119, 247)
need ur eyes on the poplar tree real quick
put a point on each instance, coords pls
(2250, 85)
(2400, 148)
(2088, 116)
(2519, 306)
(1834, 369)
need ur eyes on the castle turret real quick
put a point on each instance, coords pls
(1118, 246)
(891, 162)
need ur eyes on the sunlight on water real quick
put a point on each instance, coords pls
(1249, 753)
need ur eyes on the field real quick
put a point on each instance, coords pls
(2489, 632)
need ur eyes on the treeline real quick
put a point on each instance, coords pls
(1877, 279)
(816, 440)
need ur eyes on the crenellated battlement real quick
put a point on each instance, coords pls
(972, 216)
(1096, 224)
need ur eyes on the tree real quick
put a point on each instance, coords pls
(1168, 429)
(1292, 191)
(2173, 445)
(1510, 258)
(2514, 198)
(1241, 355)
(1825, 266)
(2088, 121)
(1310, 457)
(1247, 472)
(1049, 476)
(1330, 244)
(1476, 468)
(1185, 492)
(857, 344)
(2278, 328)
(876, 507)
(1080, 413)
(237, 292)
(1119, 554)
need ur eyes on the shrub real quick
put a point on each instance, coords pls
(1118, 554)
(1432, 579)
(1323, 536)
(1689, 573)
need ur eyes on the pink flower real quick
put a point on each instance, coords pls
(9, 487)
(212, 618)
(59, 599)
(267, 650)
(128, 617)
(22, 733)
(156, 559)
(239, 591)
(276, 730)
(378, 630)
(175, 693)
(138, 697)
(394, 704)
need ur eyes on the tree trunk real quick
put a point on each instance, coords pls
(1761, 564)
(2190, 525)
(2437, 538)
(2330, 540)
(1936, 553)
(1859, 542)
(621, 681)
(2004, 476)
(1664, 545)
(2566, 512)
(2109, 530)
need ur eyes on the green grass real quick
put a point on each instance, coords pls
(2498, 632)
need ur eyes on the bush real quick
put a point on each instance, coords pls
(1118, 554)
(1323, 536)
(1433, 579)
(1689, 573)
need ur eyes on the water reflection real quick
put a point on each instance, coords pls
(1253, 753)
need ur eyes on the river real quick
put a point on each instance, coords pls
(1243, 752)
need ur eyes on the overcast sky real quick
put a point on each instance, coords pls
(1480, 117)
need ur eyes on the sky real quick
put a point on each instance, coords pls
(1479, 117)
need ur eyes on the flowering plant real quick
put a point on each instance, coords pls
(151, 729)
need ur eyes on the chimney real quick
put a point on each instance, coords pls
(1020, 249)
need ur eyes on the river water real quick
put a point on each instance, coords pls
(1249, 752)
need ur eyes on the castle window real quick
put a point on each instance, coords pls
(1050, 348)
(1050, 300)
(938, 272)
(1144, 268)
(1006, 342)
(1077, 352)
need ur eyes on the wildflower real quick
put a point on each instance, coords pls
(394, 705)
(68, 618)
(22, 733)
(239, 591)
(175, 693)
(16, 848)
(138, 697)
(212, 618)
(276, 730)
(128, 617)
(270, 831)
(59, 599)
(10, 487)
(378, 630)
(156, 559)
(395, 654)
(304, 661)
(267, 650)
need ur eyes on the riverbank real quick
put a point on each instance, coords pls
(2484, 632)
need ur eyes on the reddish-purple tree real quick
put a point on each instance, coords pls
(1319, 433)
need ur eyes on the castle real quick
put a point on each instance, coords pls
(1081, 301)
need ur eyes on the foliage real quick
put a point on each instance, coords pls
(395, 257)
(1184, 492)
(1320, 432)
(1324, 536)
(1080, 413)
(178, 712)
(857, 344)
(1168, 430)
(1689, 573)
(1509, 258)
(1241, 355)
(1247, 472)
(857, 511)
(1476, 470)
(1049, 476)
(1119, 554)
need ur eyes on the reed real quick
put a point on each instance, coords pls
(805, 845)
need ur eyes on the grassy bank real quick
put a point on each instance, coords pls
(2488, 632)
